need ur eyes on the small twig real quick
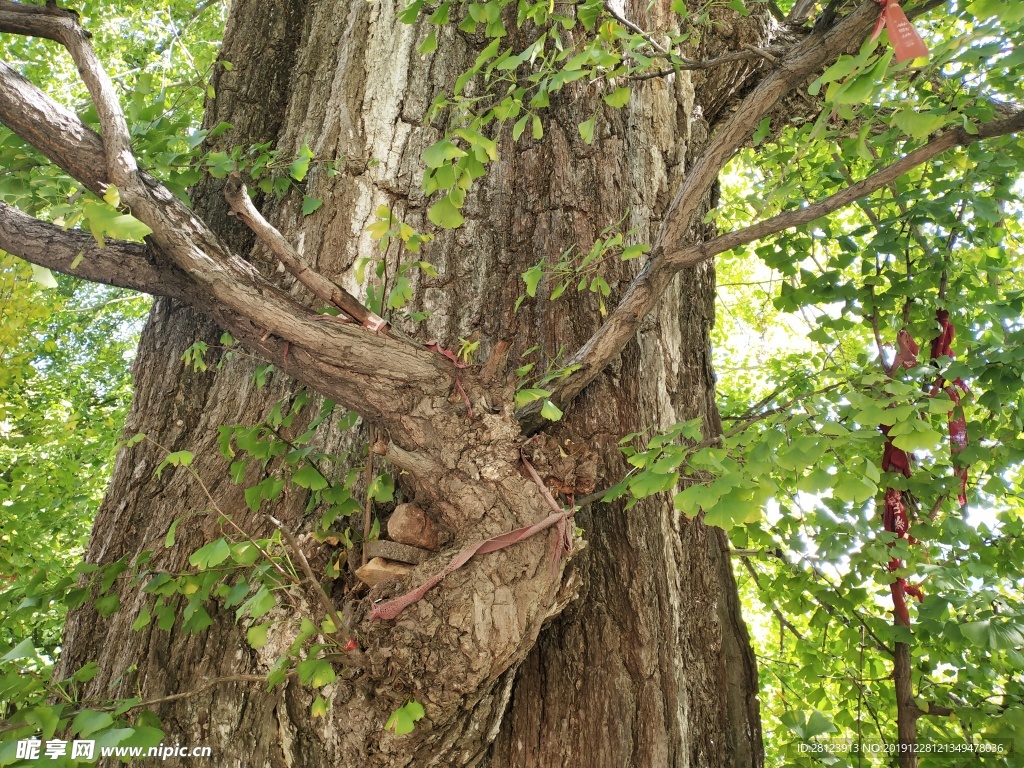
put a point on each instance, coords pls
(224, 516)
(152, 702)
(176, 31)
(339, 625)
(766, 553)
(762, 53)
(634, 28)
(683, 64)
(204, 687)
(783, 621)
(779, 409)
(368, 506)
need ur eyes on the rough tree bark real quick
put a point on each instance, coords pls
(649, 665)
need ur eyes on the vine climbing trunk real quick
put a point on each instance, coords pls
(650, 664)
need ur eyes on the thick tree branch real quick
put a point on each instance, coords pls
(141, 267)
(803, 60)
(672, 253)
(122, 264)
(53, 130)
(226, 284)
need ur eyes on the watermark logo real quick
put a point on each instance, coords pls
(34, 748)
(85, 749)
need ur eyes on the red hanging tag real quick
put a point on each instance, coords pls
(904, 38)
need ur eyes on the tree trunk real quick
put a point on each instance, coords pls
(651, 666)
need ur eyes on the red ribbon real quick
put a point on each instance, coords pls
(942, 346)
(894, 518)
(904, 38)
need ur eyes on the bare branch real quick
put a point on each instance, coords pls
(122, 264)
(238, 198)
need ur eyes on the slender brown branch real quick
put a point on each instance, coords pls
(762, 53)
(238, 198)
(751, 420)
(957, 137)
(315, 585)
(800, 63)
(647, 288)
(936, 710)
(200, 689)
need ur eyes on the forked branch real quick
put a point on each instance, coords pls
(225, 284)
(672, 250)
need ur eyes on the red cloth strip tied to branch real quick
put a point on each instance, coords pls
(942, 346)
(894, 459)
(563, 546)
(904, 38)
(894, 519)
